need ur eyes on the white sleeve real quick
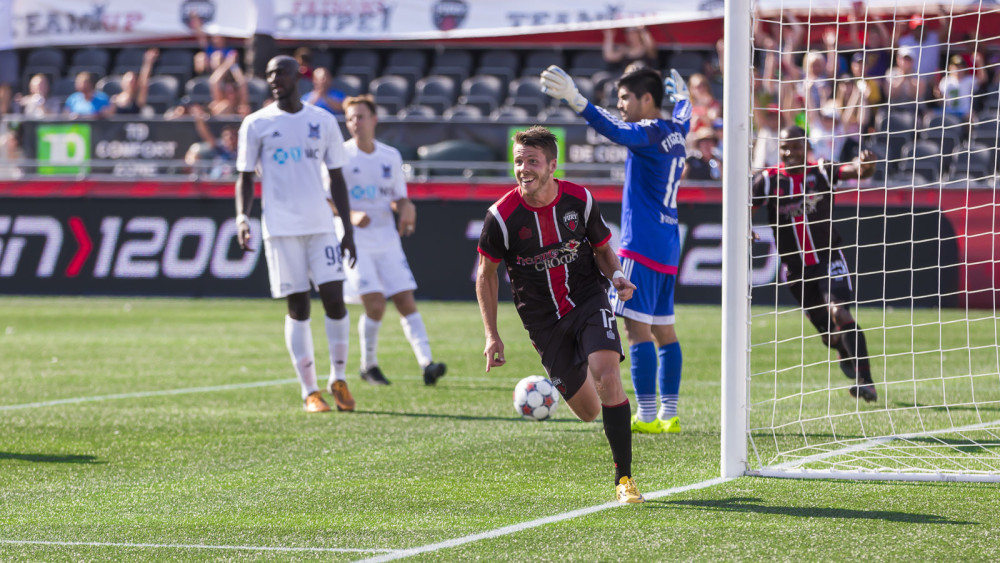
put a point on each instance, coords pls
(399, 186)
(334, 156)
(248, 148)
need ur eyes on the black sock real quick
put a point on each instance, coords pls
(853, 350)
(618, 429)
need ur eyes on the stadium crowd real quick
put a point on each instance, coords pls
(924, 102)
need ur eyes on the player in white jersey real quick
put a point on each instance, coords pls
(295, 145)
(374, 175)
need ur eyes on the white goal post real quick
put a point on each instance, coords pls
(920, 238)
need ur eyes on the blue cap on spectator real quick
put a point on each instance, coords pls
(858, 57)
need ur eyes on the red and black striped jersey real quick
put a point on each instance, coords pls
(800, 212)
(548, 251)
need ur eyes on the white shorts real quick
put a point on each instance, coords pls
(293, 261)
(383, 270)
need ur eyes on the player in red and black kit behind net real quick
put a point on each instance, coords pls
(798, 195)
(556, 246)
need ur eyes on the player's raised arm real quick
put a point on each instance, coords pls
(487, 286)
(862, 166)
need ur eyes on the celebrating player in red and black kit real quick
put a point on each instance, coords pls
(555, 243)
(798, 196)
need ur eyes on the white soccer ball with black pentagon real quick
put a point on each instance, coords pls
(535, 398)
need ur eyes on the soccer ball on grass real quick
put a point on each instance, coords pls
(535, 398)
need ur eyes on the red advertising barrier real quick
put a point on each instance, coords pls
(921, 247)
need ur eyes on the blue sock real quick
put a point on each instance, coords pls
(643, 357)
(670, 379)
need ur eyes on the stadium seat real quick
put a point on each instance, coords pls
(558, 113)
(483, 91)
(509, 113)
(526, 92)
(925, 159)
(502, 64)
(986, 133)
(198, 90)
(585, 86)
(363, 63)
(96, 71)
(162, 92)
(258, 91)
(463, 111)
(349, 84)
(974, 161)
(110, 85)
(391, 92)
(178, 63)
(587, 63)
(685, 62)
(945, 131)
(92, 57)
(459, 151)
(45, 57)
(437, 91)
(417, 110)
(537, 61)
(456, 63)
(407, 62)
(63, 87)
(321, 58)
(129, 59)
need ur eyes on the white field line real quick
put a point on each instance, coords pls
(454, 542)
(194, 546)
(141, 394)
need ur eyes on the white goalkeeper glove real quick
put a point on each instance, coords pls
(675, 88)
(556, 83)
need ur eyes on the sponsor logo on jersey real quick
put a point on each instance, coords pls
(553, 258)
(570, 220)
(294, 154)
(314, 131)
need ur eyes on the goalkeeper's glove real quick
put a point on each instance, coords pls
(556, 83)
(675, 88)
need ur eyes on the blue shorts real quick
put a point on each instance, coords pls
(653, 299)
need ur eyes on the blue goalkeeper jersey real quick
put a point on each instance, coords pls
(656, 155)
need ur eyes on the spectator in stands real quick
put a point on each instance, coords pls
(11, 152)
(766, 145)
(639, 46)
(323, 95)
(304, 57)
(826, 132)
(904, 84)
(219, 151)
(135, 87)
(214, 46)
(229, 89)
(86, 101)
(37, 103)
(705, 109)
(858, 97)
(956, 88)
(704, 161)
(9, 66)
(923, 38)
(816, 87)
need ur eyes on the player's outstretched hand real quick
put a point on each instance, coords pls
(866, 163)
(243, 236)
(347, 248)
(556, 83)
(623, 287)
(494, 353)
(675, 88)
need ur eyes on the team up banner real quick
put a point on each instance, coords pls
(149, 243)
(72, 22)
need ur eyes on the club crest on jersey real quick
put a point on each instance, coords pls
(571, 219)
(524, 233)
(386, 171)
(314, 131)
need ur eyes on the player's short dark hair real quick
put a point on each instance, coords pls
(793, 132)
(643, 81)
(364, 99)
(540, 138)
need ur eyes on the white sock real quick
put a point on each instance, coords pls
(338, 336)
(647, 407)
(298, 340)
(668, 407)
(368, 334)
(413, 328)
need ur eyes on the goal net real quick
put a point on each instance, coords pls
(910, 251)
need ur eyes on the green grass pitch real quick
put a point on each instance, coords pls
(153, 429)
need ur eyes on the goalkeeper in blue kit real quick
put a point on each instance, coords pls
(650, 242)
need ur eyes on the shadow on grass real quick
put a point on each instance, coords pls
(756, 506)
(468, 417)
(44, 458)
(947, 408)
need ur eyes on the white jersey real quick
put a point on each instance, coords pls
(374, 181)
(294, 152)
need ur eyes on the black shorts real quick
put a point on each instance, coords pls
(565, 347)
(821, 285)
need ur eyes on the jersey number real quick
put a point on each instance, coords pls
(332, 256)
(673, 183)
